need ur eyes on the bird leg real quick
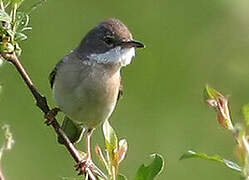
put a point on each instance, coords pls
(51, 115)
(86, 166)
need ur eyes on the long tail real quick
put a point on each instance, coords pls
(73, 130)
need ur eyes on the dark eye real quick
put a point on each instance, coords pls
(109, 40)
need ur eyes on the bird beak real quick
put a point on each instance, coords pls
(133, 43)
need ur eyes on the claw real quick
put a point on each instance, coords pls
(51, 115)
(89, 169)
(86, 166)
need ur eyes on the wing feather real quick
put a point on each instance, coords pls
(52, 75)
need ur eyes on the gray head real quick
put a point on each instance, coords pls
(109, 42)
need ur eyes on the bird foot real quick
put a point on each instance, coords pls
(89, 169)
(51, 115)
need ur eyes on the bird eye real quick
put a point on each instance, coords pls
(109, 40)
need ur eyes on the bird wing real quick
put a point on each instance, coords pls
(52, 77)
(121, 89)
(54, 72)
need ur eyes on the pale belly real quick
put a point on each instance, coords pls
(86, 98)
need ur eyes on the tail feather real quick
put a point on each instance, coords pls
(73, 130)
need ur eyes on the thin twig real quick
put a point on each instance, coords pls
(41, 102)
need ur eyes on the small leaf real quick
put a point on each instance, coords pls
(10, 33)
(211, 93)
(216, 158)
(232, 165)
(26, 28)
(245, 112)
(20, 37)
(4, 17)
(122, 150)
(22, 20)
(220, 103)
(111, 140)
(150, 171)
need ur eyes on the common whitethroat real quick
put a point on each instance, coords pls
(86, 83)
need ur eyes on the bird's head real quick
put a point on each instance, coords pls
(110, 42)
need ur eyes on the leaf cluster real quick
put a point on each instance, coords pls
(115, 152)
(13, 25)
(239, 132)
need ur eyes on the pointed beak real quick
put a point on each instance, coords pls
(133, 43)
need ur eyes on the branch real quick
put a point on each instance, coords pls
(41, 102)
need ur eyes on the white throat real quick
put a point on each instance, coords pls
(117, 55)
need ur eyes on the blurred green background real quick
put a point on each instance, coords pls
(189, 44)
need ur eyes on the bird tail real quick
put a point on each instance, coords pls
(73, 130)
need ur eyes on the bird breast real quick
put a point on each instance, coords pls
(86, 93)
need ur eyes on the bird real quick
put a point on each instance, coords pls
(86, 84)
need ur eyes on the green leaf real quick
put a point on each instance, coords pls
(26, 28)
(111, 140)
(150, 171)
(22, 21)
(4, 16)
(121, 177)
(20, 37)
(245, 112)
(192, 154)
(210, 93)
(10, 33)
